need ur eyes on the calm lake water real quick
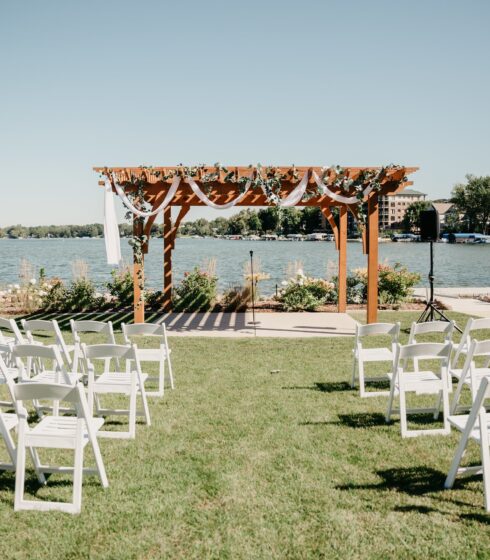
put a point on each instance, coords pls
(455, 265)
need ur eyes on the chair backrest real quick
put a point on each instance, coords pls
(35, 358)
(5, 374)
(431, 327)
(101, 327)
(11, 327)
(424, 350)
(378, 329)
(471, 325)
(73, 394)
(144, 329)
(103, 351)
(33, 326)
(6, 352)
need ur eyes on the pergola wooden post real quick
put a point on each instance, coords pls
(167, 259)
(372, 242)
(138, 276)
(342, 277)
(155, 184)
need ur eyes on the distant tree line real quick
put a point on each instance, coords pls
(268, 220)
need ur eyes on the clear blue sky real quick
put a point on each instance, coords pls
(280, 82)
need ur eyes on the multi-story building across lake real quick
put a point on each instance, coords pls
(392, 208)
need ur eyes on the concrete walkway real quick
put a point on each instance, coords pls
(461, 300)
(282, 325)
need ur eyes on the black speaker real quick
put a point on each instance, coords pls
(429, 225)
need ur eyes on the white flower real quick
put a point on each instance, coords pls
(42, 293)
(98, 295)
(284, 283)
(16, 287)
(300, 272)
(32, 281)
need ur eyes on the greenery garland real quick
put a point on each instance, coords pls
(269, 179)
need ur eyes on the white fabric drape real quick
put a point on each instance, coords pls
(201, 196)
(130, 206)
(296, 195)
(338, 197)
(111, 229)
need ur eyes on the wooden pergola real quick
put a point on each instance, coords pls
(155, 184)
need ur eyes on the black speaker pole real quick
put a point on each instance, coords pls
(252, 281)
(431, 312)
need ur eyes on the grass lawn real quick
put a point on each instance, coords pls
(244, 463)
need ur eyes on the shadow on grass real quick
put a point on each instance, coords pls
(331, 387)
(415, 481)
(362, 420)
(117, 316)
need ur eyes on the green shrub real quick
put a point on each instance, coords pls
(121, 287)
(305, 294)
(154, 299)
(81, 296)
(196, 291)
(56, 296)
(395, 284)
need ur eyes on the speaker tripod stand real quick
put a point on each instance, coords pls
(431, 312)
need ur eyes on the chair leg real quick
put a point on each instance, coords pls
(37, 465)
(445, 408)
(20, 477)
(161, 379)
(100, 463)
(145, 406)
(353, 379)
(77, 478)
(391, 398)
(132, 413)
(485, 457)
(457, 393)
(403, 413)
(170, 372)
(460, 451)
(362, 388)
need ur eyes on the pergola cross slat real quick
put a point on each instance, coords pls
(155, 183)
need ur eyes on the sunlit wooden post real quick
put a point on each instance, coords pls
(372, 234)
(342, 288)
(167, 259)
(138, 274)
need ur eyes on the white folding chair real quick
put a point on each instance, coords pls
(417, 330)
(9, 422)
(57, 432)
(78, 328)
(379, 354)
(9, 331)
(9, 367)
(426, 382)
(470, 372)
(461, 349)
(160, 355)
(474, 426)
(42, 364)
(130, 383)
(38, 326)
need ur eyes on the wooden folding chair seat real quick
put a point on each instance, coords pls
(381, 354)
(426, 382)
(57, 432)
(159, 355)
